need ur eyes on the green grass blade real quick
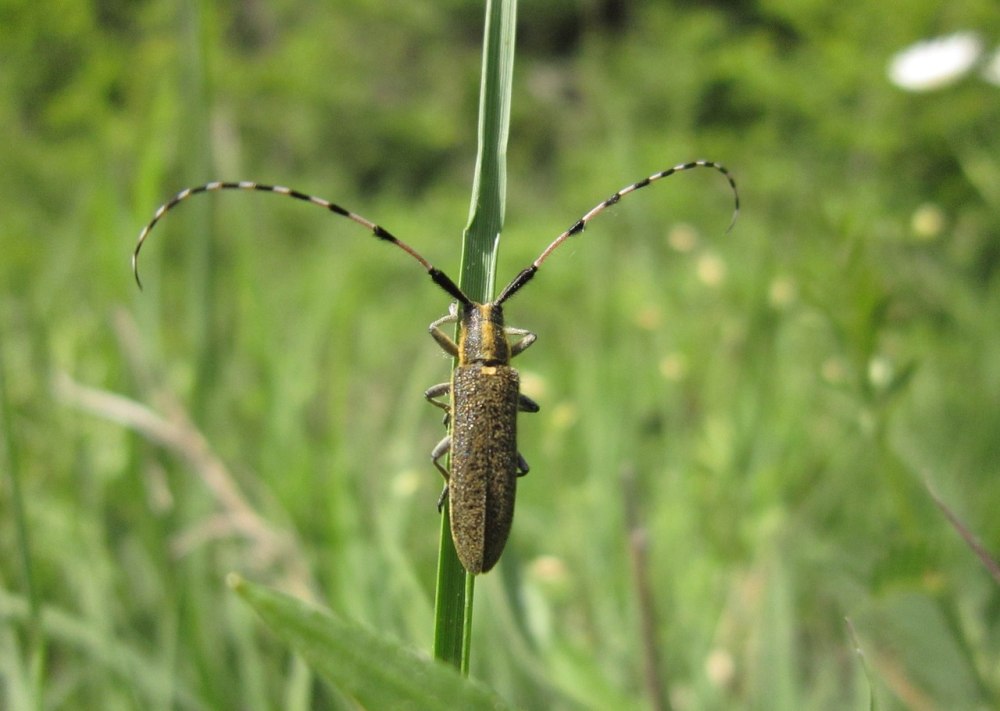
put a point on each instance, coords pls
(11, 462)
(453, 605)
(376, 672)
(480, 244)
(872, 699)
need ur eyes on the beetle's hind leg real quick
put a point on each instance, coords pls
(524, 404)
(522, 465)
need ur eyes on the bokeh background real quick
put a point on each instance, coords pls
(745, 426)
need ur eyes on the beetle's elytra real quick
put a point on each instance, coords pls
(484, 462)
(483, 397)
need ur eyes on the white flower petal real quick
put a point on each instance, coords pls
(935, 63)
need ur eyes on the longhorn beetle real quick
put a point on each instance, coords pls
(483, 398)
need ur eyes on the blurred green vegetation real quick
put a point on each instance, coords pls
(774, 399)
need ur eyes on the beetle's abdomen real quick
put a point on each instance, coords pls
(483, 477)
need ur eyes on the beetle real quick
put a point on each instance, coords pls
(483, 398)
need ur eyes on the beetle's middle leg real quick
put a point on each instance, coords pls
(434, 395)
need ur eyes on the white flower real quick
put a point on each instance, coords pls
(935, 63)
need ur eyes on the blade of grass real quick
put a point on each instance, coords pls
(197, 18)
(12, 460)
(453, 603)
(489, 189)
(967, 535)
(872, 699)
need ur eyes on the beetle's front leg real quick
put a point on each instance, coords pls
(444, 340)
(527, 338)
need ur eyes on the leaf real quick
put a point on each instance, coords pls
(376, 672)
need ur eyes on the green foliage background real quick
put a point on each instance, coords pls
(772, 400)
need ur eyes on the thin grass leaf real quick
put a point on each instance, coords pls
(121, 662)
(872, 699)
(453, 604)
(967, 535)
(10, 452)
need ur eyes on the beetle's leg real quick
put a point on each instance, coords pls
(442, 448)
(524, 404)
(435, 394)
(527, 338)
(438, 391)
(444, 340)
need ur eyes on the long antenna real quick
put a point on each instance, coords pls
(439, 277)
(528, 272)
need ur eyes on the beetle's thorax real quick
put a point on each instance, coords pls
(481, 337)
